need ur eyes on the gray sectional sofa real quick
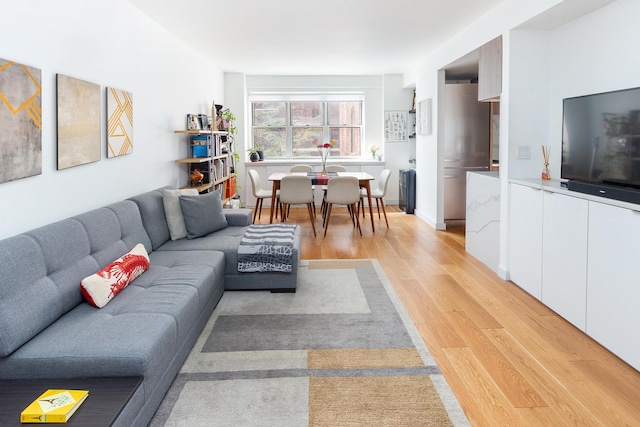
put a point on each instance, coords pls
(47, 329)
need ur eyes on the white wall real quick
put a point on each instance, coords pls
(111, 43)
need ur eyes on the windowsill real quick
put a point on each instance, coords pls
(307, 161)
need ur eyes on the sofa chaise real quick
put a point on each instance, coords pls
(48, 330)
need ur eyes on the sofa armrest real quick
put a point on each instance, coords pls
(238, 217)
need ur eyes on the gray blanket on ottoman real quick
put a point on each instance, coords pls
(266, 247)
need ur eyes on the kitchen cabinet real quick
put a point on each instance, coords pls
(490, 71)
(564, 256)
(613, 284)
(525, 238)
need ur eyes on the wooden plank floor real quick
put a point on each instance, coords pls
(509, 359)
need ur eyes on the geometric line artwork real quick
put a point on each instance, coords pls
(119, 122)
(78, 122)
(20, 121)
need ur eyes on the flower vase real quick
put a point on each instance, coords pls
(324, 169)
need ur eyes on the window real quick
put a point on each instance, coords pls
(286, 125)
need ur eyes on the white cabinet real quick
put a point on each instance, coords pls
(564, 256)
(613, 288)
(525, 238)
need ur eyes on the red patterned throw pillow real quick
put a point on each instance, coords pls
(99, 288)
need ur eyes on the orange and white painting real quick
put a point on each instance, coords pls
(119, 122)
(20, 121)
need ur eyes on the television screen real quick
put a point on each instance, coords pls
(601, 138)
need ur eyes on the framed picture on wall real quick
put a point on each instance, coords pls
(396, 128)
(424, 117)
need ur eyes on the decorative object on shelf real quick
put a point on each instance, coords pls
(546, 150)
(396, 126)
(374, 150)
(79, 122)
(196, 177)
(119, 122)
(21, 118)
(192, 122)
(324, 150)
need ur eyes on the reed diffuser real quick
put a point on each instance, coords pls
(546, 150)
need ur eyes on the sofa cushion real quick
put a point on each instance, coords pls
(99, 288)
(203, 214)
(173, 211)
(151, 209)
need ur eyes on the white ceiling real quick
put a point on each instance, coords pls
(300, 37)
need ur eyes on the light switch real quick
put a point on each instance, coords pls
(524, 152)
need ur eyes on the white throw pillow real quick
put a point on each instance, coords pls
(173, 211)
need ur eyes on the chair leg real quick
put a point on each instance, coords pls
(357, 219)
(312, 218)
(362, 203)
(255, 210)
(378, 206)
(260, 210)
(326, 222)
(384, 211)
(283, 212)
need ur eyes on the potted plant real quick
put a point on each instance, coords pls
(260, 152)
(253, 154)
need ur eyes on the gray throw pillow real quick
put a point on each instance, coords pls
(173, 212)
(203, 214)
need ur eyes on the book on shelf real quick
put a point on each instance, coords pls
(54, 406)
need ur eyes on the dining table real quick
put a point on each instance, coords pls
(364, 179)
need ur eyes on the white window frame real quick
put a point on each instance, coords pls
(322, 97)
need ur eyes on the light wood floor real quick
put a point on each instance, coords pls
(509, 360)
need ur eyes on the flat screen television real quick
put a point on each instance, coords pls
(601, 144)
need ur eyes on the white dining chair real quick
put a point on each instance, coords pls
(343, 190)
(378, 194)
(260, 194)
(305, 168)
(330, 168)
(296, 190)
(301, 168)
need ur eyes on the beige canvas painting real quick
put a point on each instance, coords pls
(78, 122)
(119, 122)
(20, 121)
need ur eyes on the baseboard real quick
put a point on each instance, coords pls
(503, 273)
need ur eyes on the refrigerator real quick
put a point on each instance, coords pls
(466, 147)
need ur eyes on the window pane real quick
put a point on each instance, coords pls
(303, 141)
(348, 141)
(269, 113)
(306, 114)
(345, 113)
(272, 140)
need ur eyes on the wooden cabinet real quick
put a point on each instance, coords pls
(525, 238)
(210, 156)
(564, 256)
(613, 284)
(490, 71)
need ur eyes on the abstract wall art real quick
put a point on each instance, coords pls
(119, 122)
(20, 121)
(78, 122)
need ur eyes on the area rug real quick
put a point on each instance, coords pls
(341, 351)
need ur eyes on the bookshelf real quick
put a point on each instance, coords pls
(209, 155)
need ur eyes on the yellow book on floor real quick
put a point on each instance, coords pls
(54, 406)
